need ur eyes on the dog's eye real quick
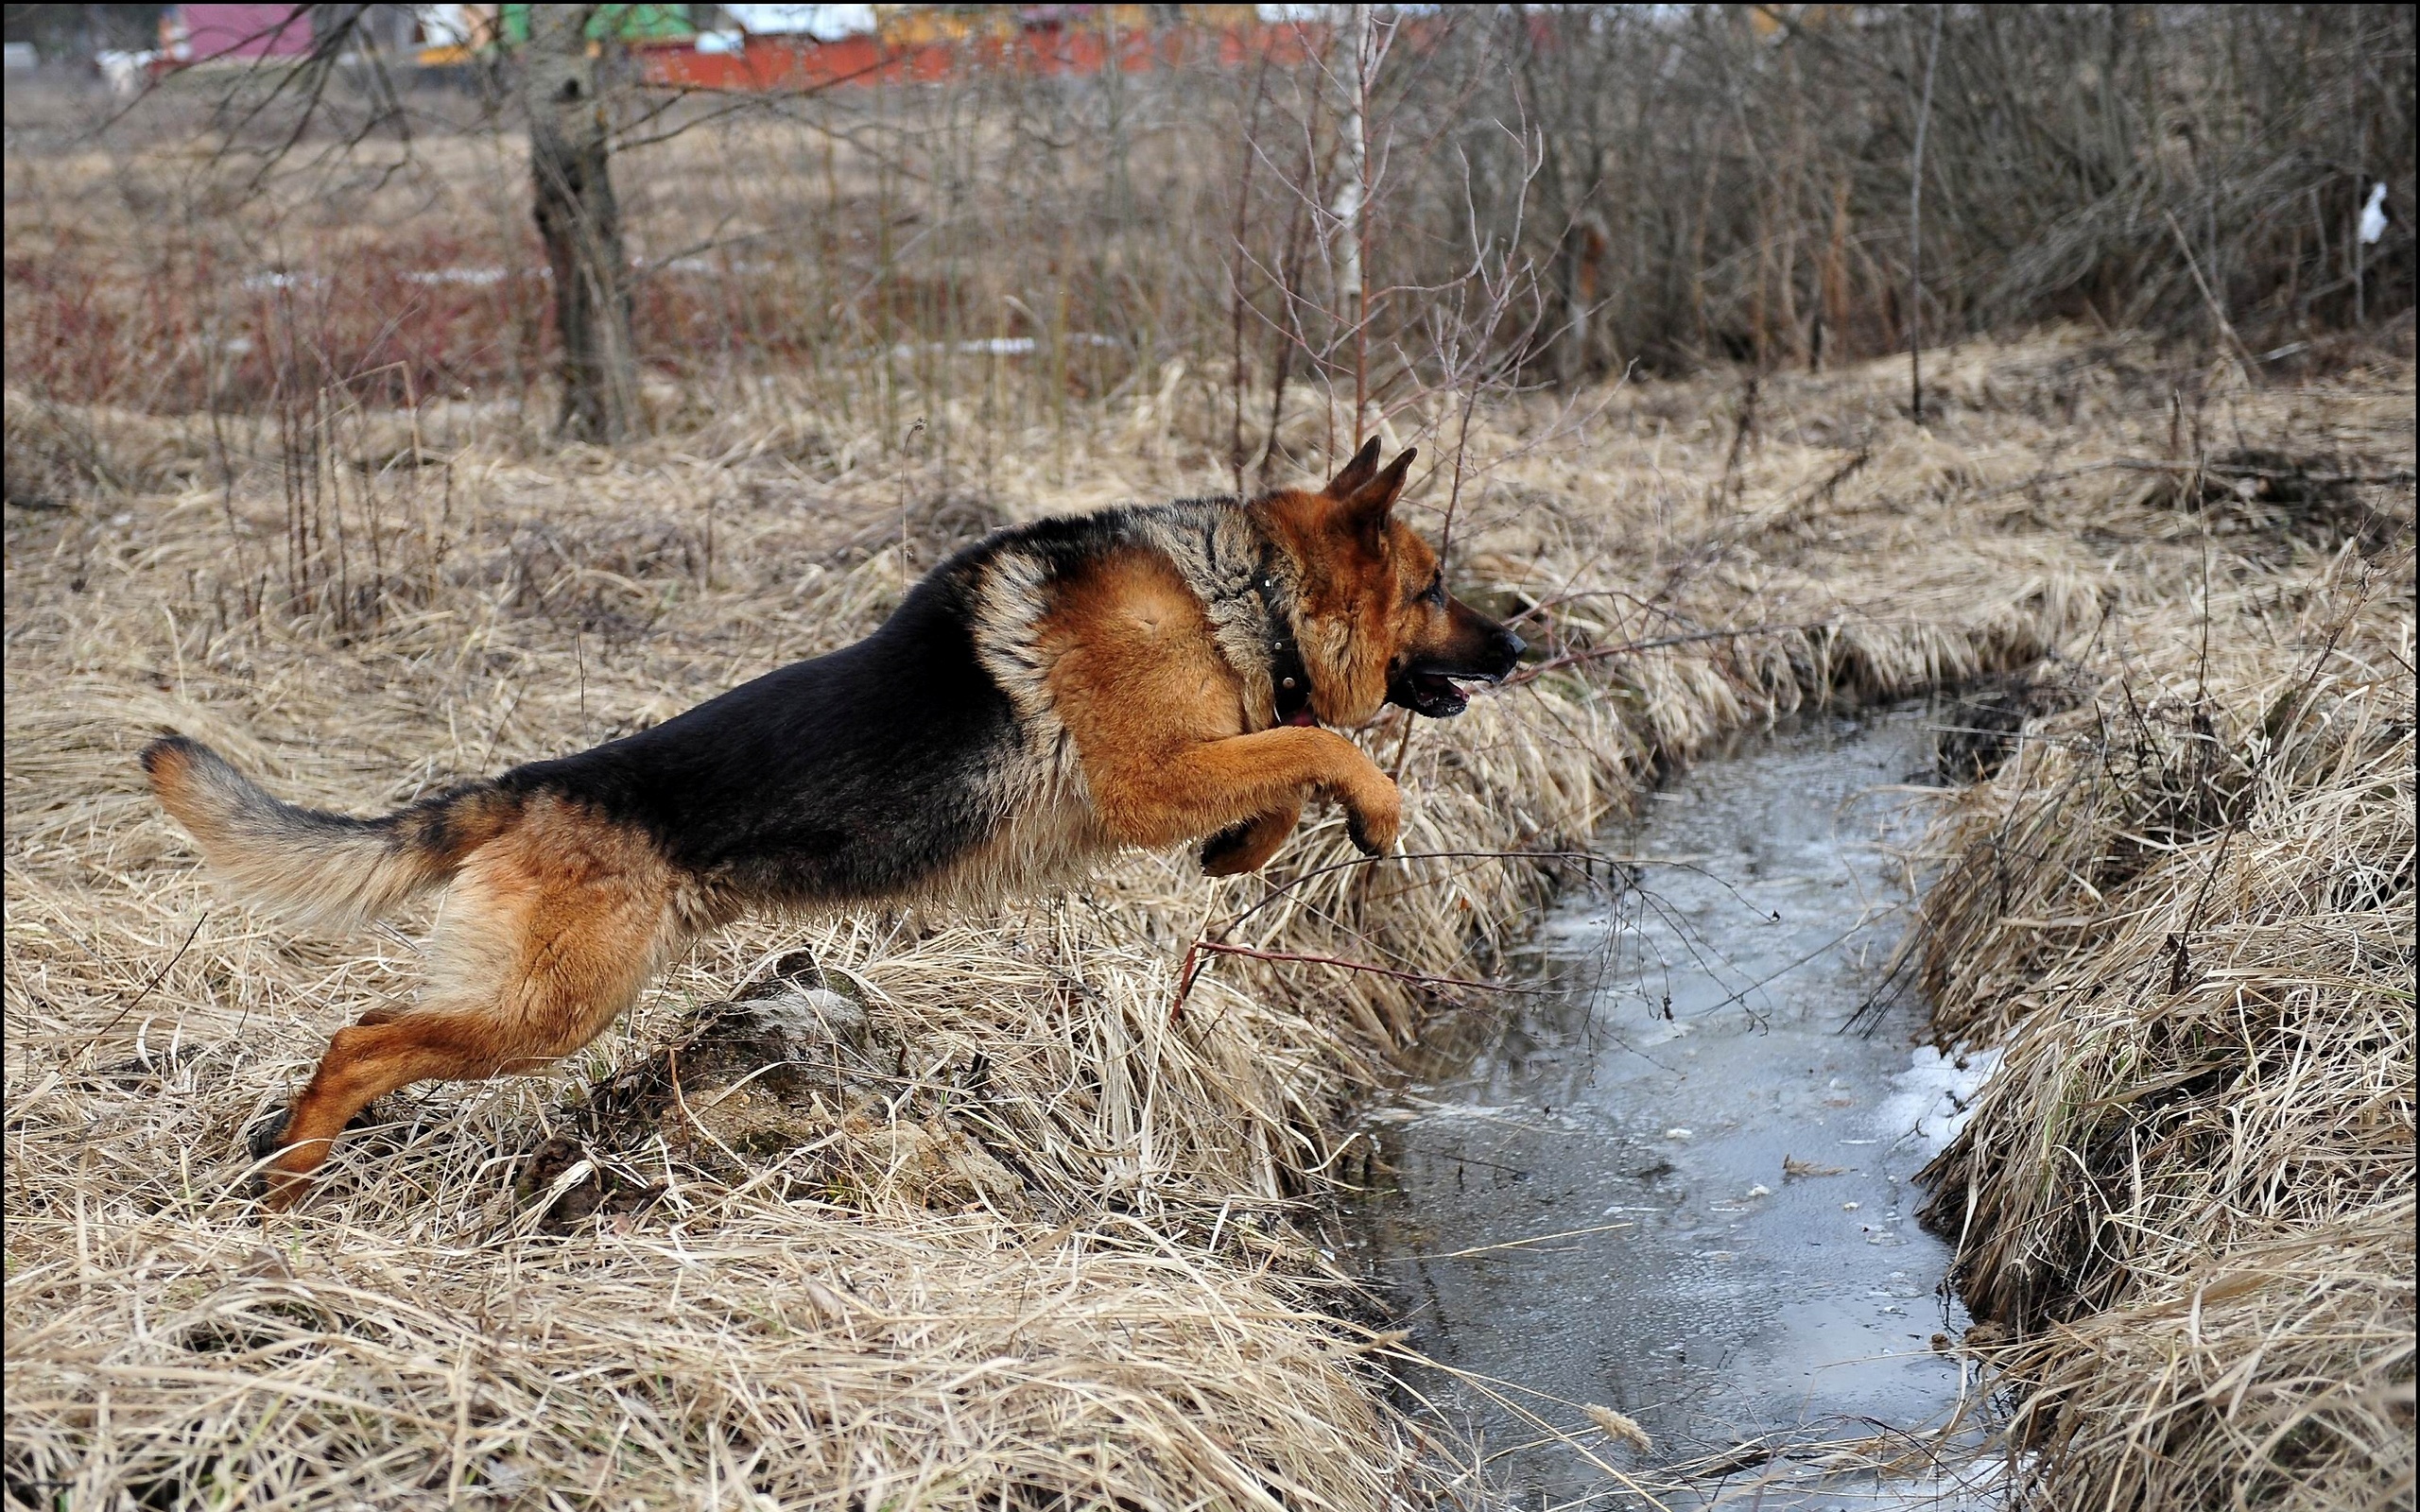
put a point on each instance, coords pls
(1435, 591)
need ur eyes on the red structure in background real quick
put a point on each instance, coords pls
(198, 34)
(787, 64)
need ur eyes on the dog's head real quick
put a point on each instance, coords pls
(1375, 621)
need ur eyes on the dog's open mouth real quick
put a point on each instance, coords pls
(1432, 695)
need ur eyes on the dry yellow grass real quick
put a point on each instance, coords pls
(2186, 908)
(862, 1313)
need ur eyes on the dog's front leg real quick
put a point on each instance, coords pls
(1207, 787)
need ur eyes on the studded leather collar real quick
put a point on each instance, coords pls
(1289, 680)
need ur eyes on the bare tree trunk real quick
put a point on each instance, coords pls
(1352, 296)
(1916, 234)
(570, 162)
(1583, 242)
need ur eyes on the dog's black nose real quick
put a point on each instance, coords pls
(1508, 648)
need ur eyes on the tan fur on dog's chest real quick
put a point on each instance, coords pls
(1134, 664)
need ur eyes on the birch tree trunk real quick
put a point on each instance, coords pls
(1916, 234)
(570, 162)
(1352, 296)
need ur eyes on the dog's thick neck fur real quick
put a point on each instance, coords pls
(1219, 546)
(1247, 582)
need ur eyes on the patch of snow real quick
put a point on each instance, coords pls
(1000, 346)
(124, 72)
(457, 275)
(2373, 216)
(1934, 1096)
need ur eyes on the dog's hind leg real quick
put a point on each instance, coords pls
(363, 1064)
(1247, 846)
(547, 936)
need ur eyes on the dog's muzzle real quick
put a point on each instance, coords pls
(1431, 687)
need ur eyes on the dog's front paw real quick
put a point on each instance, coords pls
(1375, 823)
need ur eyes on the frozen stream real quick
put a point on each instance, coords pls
(1679, 1185)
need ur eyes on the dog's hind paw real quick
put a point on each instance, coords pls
(268, 1137)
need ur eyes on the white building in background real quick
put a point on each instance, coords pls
(822, 22)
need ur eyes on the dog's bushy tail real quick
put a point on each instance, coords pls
(319, 867)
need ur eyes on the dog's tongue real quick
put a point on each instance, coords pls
(1303, 717)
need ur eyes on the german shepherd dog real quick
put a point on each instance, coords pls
(1144, 677)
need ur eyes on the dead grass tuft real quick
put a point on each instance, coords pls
(2184, 905)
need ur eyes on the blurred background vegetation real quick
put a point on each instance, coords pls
(945, 210)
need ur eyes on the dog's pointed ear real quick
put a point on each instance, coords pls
(1363, 467)
(1364, 512)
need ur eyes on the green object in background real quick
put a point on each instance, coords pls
(619, 23)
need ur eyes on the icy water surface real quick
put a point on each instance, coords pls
(1678, 1186)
